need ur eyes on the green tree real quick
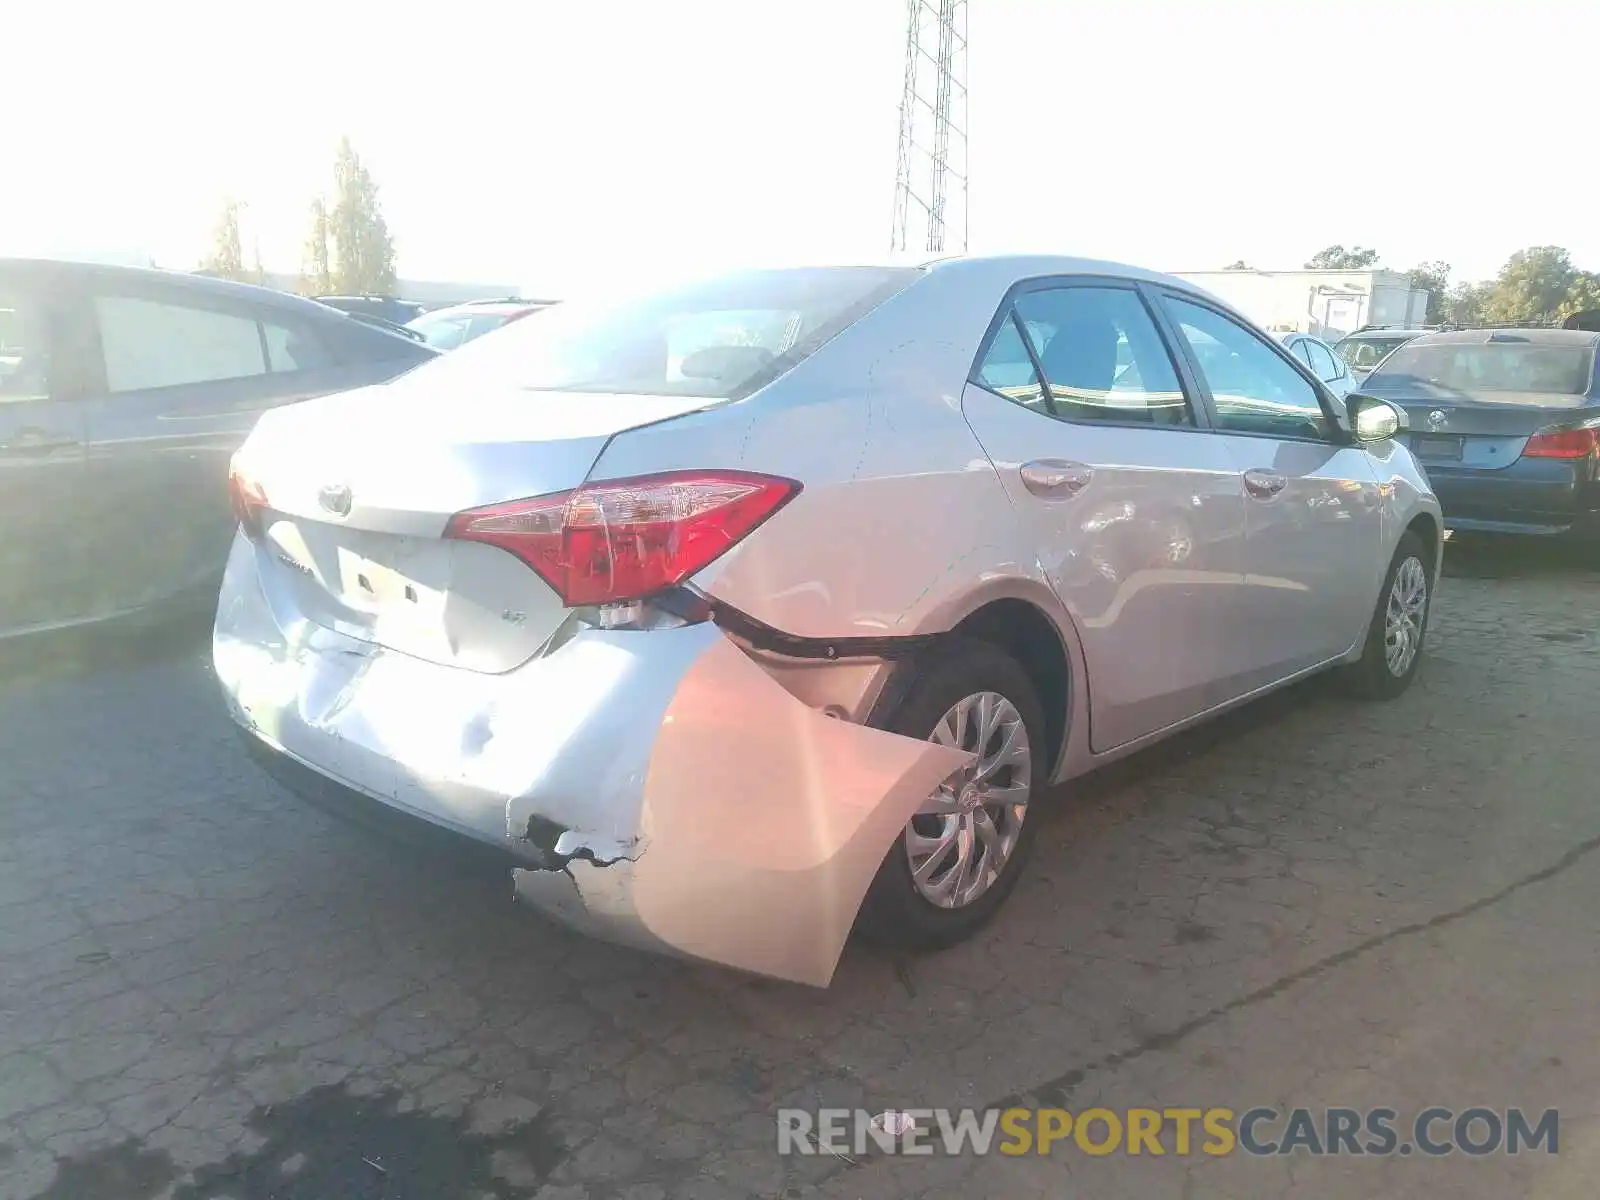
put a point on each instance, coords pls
(1533, 286)
(1583, 295)
(1337, 258)
(1433, 278)
(1463, 304)
(226, 258)
(363, 251)
(316, 269)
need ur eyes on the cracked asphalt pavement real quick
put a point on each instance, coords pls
(210, 990)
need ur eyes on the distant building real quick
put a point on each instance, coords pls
(1328, 304)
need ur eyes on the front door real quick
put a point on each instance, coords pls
(42, 477)
(1135, 508)
(1314, 524)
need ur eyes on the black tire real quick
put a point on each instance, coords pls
(1370, 677)
(894, 913)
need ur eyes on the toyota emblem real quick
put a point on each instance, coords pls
(335, 498)
(1437, 418)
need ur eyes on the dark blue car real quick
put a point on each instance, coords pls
(123, 394)
(1507, 424)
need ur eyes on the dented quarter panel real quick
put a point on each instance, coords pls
(763, 822)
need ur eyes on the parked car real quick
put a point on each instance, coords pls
(1319, 357)
(386, 308)
(449, 328)
(1507, 423)
(123, 392)
(1366, 348)
(733, 613)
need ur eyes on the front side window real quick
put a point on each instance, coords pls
(717, 339)
(1102, 357)
(156, 344)
(1302, 350)
(1252, 389)
(24, 348)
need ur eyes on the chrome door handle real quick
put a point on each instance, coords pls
(1055, 479)
(36, 441)
(1263, 485)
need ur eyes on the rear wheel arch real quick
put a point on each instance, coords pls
(1025, 632)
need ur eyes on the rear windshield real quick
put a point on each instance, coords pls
(1475, 368)
(1367, 353)
(720, 339)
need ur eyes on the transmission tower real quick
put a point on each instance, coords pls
(930, 191)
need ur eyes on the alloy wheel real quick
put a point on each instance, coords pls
(960, 840)
(1404, 616)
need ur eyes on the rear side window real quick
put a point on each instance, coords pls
(719, 339)
(156, 344)
(291, 347)
(1475, 368)
(1103, 360)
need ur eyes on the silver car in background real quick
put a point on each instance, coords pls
(740, 614)
(1316, 355)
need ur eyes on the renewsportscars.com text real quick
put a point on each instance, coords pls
(1435, 1131)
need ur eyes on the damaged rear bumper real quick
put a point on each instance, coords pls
(657, 789)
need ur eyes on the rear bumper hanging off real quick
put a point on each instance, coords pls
(657, 789)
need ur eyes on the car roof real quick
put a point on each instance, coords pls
(1362, 335)
(1526, 337)
(203, 284)
(481, 307)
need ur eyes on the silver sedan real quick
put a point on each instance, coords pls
(738, 615)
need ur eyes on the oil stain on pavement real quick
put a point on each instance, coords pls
(332, 1143)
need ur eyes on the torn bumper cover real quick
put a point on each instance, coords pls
(657, 789)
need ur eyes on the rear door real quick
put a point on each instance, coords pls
(1135, 508)
(1314, 524)
(181, 376)
(42, 438)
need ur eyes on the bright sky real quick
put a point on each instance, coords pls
(541, 142)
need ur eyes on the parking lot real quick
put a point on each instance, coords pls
(210, 990)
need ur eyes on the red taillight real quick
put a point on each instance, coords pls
(248, 500)
(626, 538)
(1563, 443)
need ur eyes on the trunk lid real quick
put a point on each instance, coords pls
(1483, 432)
(360, 487)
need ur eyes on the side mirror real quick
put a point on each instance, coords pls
(1373, 419)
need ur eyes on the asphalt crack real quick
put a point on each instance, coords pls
(1053, 1092)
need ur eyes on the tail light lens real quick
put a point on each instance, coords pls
(626, 538)
(1563, 443)
(248, 500)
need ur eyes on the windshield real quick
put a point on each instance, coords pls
(720, 339)
(1475, 368)
(1366, 353)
